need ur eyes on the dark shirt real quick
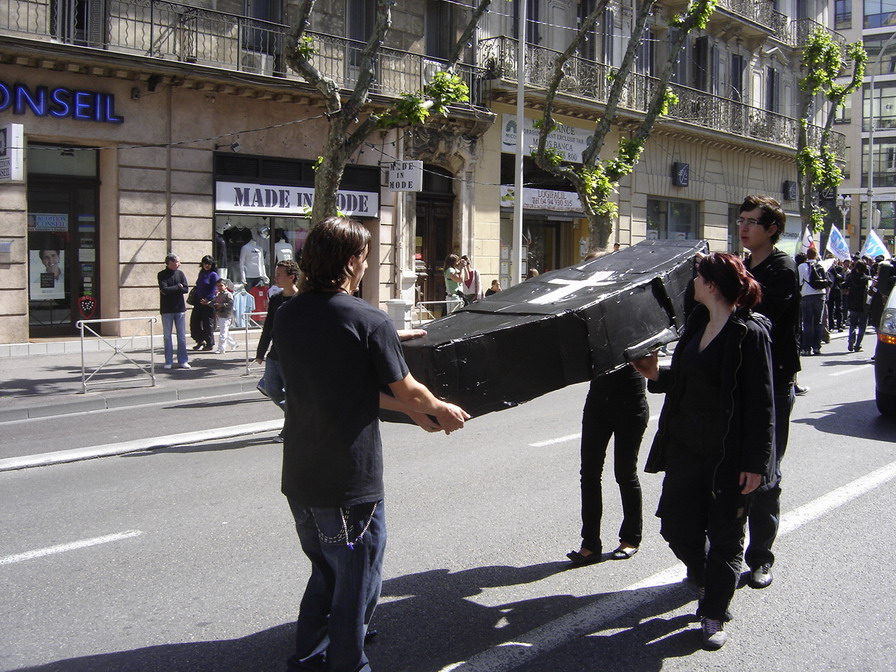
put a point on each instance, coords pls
(267, 331)
(857, 288)
(172, 287)
(337, 353)
(780, 303)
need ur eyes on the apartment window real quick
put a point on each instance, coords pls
(700, 78)
(533, 18)
(737, 77)
(879, 13)
(588, 47)
(78, 21)
(671, 219)
(608, 37)
(884, 163)
(842, 14)
(843, 115)
(880, 64)
(680, 72)
(772, 90)
(261, 36)
(361, 18)
(884, 106)
(439, 28)
(646, 58)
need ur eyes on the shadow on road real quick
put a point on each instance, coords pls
(429, 620)
(858, 419)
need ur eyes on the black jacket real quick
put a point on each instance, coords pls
(857, 286)
(781, 304)
(748, 402)
(172, 287)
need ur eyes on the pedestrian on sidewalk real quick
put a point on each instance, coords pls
(338, 355)
(172, 288)
(202, 317)
(716, 433)
(223, 306)
(812, 302)
(761, 222)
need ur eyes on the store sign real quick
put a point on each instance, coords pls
(405, 175)
(12, 153)
(543, 199)
(271, 199)
(569, 141)
(59, 102)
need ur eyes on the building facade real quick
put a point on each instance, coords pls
(147, 127)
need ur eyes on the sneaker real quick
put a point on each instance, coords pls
(186, 365)
(714, 635)
(198, 346)
(219, 351)
(800, 391)
(761, 577)
(167, 367)
(858, 348)
(817, 352)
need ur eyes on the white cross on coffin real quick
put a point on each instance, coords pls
(572, 286)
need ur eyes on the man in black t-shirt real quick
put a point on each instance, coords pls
(172, 287)
(339, 355)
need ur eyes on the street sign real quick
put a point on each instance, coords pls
(406, 176)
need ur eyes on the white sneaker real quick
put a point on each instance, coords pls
(219, 352)
(186, 365)
(167, 367)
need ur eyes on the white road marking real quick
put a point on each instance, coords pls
(595, 617)
(852, 369)
(571, 437)
(90, 452)
(62, 548)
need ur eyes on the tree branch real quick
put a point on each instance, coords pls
(367, 74)
(299, 60)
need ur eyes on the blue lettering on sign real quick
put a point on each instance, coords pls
(241, 197)
(59, 102)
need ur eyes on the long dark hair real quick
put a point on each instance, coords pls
(728, 273)
(209, 259)
(327, 251)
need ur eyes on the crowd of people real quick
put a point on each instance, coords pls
(733, 374)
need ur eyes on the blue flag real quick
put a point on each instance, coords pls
(874, 246)
(837, 244)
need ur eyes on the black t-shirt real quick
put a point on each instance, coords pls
(337, 353)
(172, 287)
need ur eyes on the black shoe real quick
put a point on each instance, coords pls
(713, 634)
(198, 346)
(761, 577)
(581, 560)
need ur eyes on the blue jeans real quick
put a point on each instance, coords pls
(273, 382)
(811, 312)
(176, 321)
(858, 322)
(344, 586)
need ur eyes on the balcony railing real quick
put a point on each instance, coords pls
(589, 80)
(759, 12)
(178, 32)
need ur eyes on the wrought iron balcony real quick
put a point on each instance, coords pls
(588, 80)
(762, 13)
(173, 31)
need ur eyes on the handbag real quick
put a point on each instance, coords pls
(191, 297)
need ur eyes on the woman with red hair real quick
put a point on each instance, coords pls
(716, 433)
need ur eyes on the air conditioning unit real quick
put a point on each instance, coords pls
(257, 62)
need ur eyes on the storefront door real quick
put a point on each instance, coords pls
(432, 245)
(63, 259)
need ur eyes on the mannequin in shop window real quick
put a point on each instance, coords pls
(220, 250)
(235, 236)
(253, 263)
(282, 250)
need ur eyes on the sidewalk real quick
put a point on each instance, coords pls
(35, 384)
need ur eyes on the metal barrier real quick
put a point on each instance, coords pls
(84, 325)
(251, 323)
(420, 314)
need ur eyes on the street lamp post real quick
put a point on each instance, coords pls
(844, 202)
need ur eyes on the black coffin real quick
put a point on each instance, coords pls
(556, 329)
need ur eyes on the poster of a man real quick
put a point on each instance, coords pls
(47, 274)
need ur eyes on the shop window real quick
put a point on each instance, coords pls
(671, 219)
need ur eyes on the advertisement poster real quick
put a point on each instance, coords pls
(46, 274)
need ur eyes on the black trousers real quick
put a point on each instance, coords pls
(765, 512)
(202, 324)
(604, 416)
(704, 529)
